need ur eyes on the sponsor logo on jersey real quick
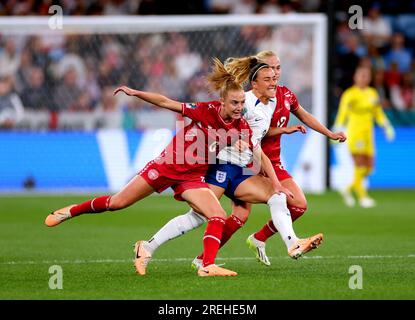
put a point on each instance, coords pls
(220, 176)
(153, 174)
(191, 105)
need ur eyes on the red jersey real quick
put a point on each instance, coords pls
(196, 145)
(286, 102)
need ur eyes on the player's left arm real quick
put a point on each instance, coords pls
(308, 119)
(382, 120)
(152, 97)
(266, 166)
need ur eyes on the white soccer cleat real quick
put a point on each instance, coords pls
(58, 216)
(258, 247)
(142, 257)
(197, 263)
(367, 202)
(348, 198)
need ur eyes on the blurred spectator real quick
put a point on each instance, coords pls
(67, 93)
(11, 108)
(9, 58)
(376, 29)
(120, 7)
(269, 7)
(35, 95)
(403, 95)
(243, 7)
(348, 61)
(382, 89)
(392, 76)
(107, 113)
(375, 57)
(398, 53)
(186, 62)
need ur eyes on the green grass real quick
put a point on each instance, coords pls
(95, 253)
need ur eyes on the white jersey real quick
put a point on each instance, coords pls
(258, 116)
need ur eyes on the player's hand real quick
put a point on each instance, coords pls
(280, 189)
(390, 133)
(339, 136)
(127, 90)
(295, 128)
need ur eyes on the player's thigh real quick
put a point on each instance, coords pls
(218, 191)
(255, 189)
(204, 201)
(299, 199)
(363, 160)
(135, 190)
(241, 210)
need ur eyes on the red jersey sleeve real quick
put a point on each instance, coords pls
(199, 111)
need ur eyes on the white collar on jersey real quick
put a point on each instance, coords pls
(253, 97)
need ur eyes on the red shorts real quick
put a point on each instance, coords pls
(156, 175)
(281, 173)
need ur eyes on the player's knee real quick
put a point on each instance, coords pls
(193, 219)
(242, 216)
(296, 212)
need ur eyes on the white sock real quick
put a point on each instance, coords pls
(281, 218)
(174, 228)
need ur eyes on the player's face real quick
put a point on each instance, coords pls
(265, 83)
(362, 77)
(233, 104)
(275, 64)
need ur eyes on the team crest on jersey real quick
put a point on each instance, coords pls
(287, 104)
(153, 174)
(191, 105)
(220, 176)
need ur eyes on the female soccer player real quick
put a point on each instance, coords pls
(359, 108)
(181, 165)
(260, 105)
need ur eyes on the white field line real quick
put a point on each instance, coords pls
(79, 261)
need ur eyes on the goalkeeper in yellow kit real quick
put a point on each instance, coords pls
(358, 110)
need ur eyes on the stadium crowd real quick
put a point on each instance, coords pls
(66, 81)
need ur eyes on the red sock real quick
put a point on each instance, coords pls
(267, 231)
(211, 239)
(232, 224)
(296, 212)
(95, 205)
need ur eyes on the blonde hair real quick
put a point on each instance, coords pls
(263, 55)
(221, 80)
(245, 68)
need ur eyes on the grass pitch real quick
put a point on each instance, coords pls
(95, 253)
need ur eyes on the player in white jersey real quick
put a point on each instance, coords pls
(232, 177)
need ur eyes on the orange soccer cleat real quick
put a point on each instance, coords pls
(303, 246)
(213, 270)
(58, 216)
(142, 258)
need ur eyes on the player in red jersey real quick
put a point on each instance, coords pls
(179, 167)
(228, 177)
(287, 103)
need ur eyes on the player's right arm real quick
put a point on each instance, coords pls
(343, 112)
(274, 131)
(153, 98)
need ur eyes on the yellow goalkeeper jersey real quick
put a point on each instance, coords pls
(358, 110)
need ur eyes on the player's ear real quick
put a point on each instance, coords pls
(222, 101)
